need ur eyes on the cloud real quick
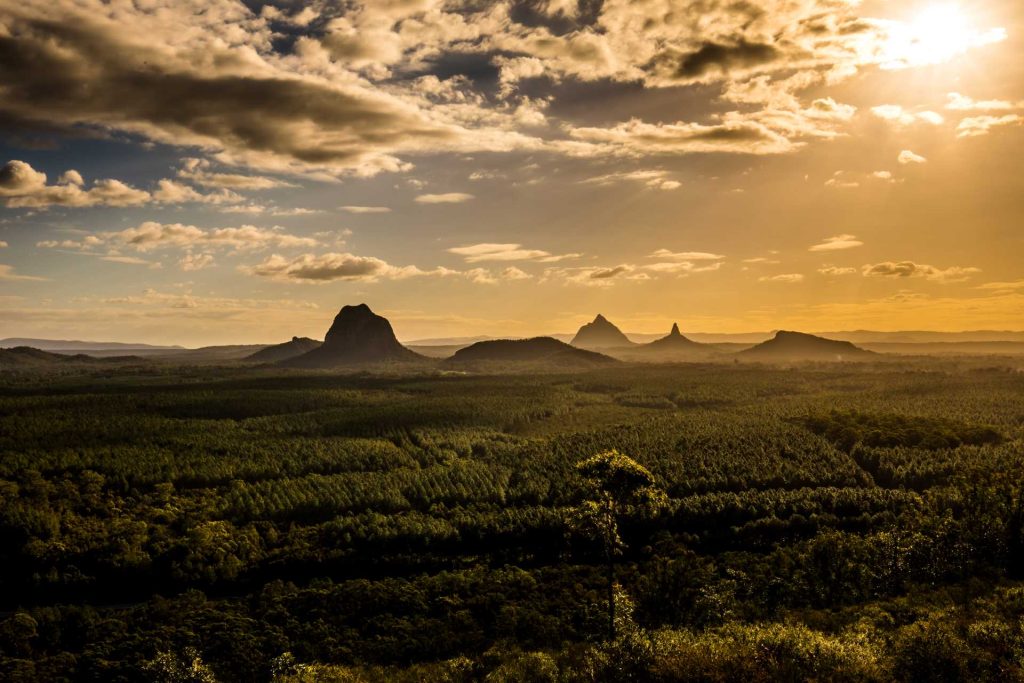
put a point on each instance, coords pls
(734, 136)
(513, 273)
(841, 180)
(7, 274)
(594, 276)
(172, 192)
(347, 88)
(898, 115)
(905, 269)
(907, 157)
(213, 80)
(975, 126)
(837, 242)
(24, 187)
(21, 186)
(366, 209)
(681, 267)
(313, 268)
(789, 278)
(446, 198)
(197, 171)
(653, 179)
(686, 255)
(960, 102)
(190, 262)
(836, 270)
(711, 59)
(475, 253)
(1003, 286)
(152, 235)
(132, 261)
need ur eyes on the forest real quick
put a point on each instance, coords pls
(829, 522)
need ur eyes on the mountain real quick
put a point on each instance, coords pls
(798, 346)
(600, 334)
(79, 346)
(357, 335)
(537, 350)
(289, 349)
(674, 340)
(672, 348)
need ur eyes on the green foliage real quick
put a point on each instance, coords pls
(413, 527)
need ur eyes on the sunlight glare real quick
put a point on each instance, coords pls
(935, 36)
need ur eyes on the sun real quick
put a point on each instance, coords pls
(935, 36)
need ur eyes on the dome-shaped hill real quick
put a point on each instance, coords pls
(798, 346)
(357, 335)
(286, 351)
(543, 350)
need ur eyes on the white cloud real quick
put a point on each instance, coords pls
(907, 157)
(366, 209)
(963, 103)
(668, 255)
(837, 270)
(655, 179)
(975, 126)
(488, 251)
(173, 192)
(513, 273)
(788, 278)
(445, 198)
(898, 115)
(198, 171)
(21, 186)
(190, 262)
(837, 242)
(152, 235)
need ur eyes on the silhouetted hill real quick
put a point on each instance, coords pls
(25, 356)
(600, 334)
(798, 346)
(672, 348)
(28, 357)
(537, 350)
(68, 346)
(288, 350)
(358, 335)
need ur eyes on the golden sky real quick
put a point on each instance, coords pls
(202, 172)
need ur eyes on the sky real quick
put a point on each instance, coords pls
(218, 172)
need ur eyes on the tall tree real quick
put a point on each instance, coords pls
(616, 486)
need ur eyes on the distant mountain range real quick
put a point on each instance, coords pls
(77, 346)
(358, 335)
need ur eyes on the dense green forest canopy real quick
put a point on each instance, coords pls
(232, 524)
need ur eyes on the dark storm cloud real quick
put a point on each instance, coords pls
(712, 58)
(63, 73)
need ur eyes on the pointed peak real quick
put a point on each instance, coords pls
(600, 319)
(675, 331)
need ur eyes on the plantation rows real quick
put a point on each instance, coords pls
(361, 521)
